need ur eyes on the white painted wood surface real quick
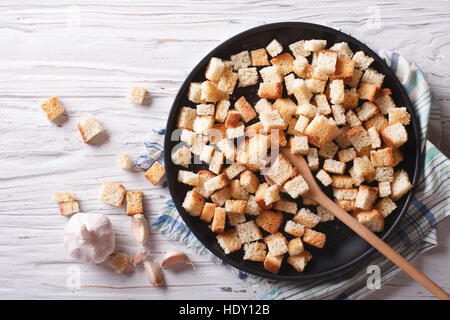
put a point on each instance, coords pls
(88, 53)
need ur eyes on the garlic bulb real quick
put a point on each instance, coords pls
(153, 272)
(174, 257)
(89, 237)
(139, 228)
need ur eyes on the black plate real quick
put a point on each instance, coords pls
(343, 248)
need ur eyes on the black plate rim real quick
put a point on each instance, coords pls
(172, 118)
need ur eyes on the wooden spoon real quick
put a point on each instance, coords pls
(315, 193)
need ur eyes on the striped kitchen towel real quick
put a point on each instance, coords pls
(415, 234)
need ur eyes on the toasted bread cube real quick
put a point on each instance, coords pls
(356, 176)
(155, 173)
(344, 69)
(237, 191)
(323, 107)
(306, 218)
(398, 157)
(245, 109)
(314, 238)
(210, 92)
(289, 82)
(300, 66)
(241, 60)
(394, 135)
(188, 177)
(205, 109)
(338, 114)
(345, 193)
(193, 203)
(222, 110)
(234, 170)
(227, 81)
(324, 214)
(313, 159)
(298, 49)
(372, 220)
(382, 157)
(269, 220)
(218, 223)
(375, 140)
(294, 228)
(309, 202)
(319, 130)
(69, 208)
(248, 232)
(384, 174)
(276, 243)
(299, 145)
(216, 183)
(119, 261)
(273, 263)
(346, 205)
(284, 62)
(252, 207)
(385, 103)
(281, 170)
(259, 195)
(384, 189)
(347, 155)
(270, 90)
(356, 77)
(286, 108)
(204, 176)
(208, 212)
(307, 110)
(207, 154)
(216, 162)
(329, 150)
(301, 124)
(291, 128)
(263, 105)
(229, 241)
(342, 140)
(386, 206)
(112, 193)
(368, 110)
(52, 108)
(352, 119)
(400, 185)
(187, 137)
(271, 74)
(228, 148)
(89, 128)
(372, 76)
(182, 156)
(341, 181)
(295, 246)
(326, 63)
(134, 203)
(324, 177)
(301, 91)
(235, 206)
(200, 142)
(368, 91)
(248, 77)
(221, 196)
(259, 57)
(255, 251)
(195, 92)
(59, 197)
(274, 48)
(299, 262)
(285, 206)
(271, 195)
(363, 168)
(362, 61)
(337, 93)
(214, 69)
(249, 181)
(202, 124)
(186, 118)
(136, 94)
(351, 99)
(236, 132)
(358, 137)
(334, 166)
(315, 44)
(233, 119)
(399, 115)
(366, 197)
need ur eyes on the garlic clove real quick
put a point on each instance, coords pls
(174, 257)
(138, 258)
(139, 228)
(153, 272)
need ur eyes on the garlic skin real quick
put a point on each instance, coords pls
(139, 228)
(138, 258)
(89, 237)
(153, 272)
(173, 258)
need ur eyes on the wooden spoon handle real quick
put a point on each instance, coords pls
(382, 247)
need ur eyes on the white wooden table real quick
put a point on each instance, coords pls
(88, 53)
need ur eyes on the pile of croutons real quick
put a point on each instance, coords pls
(326, 104)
